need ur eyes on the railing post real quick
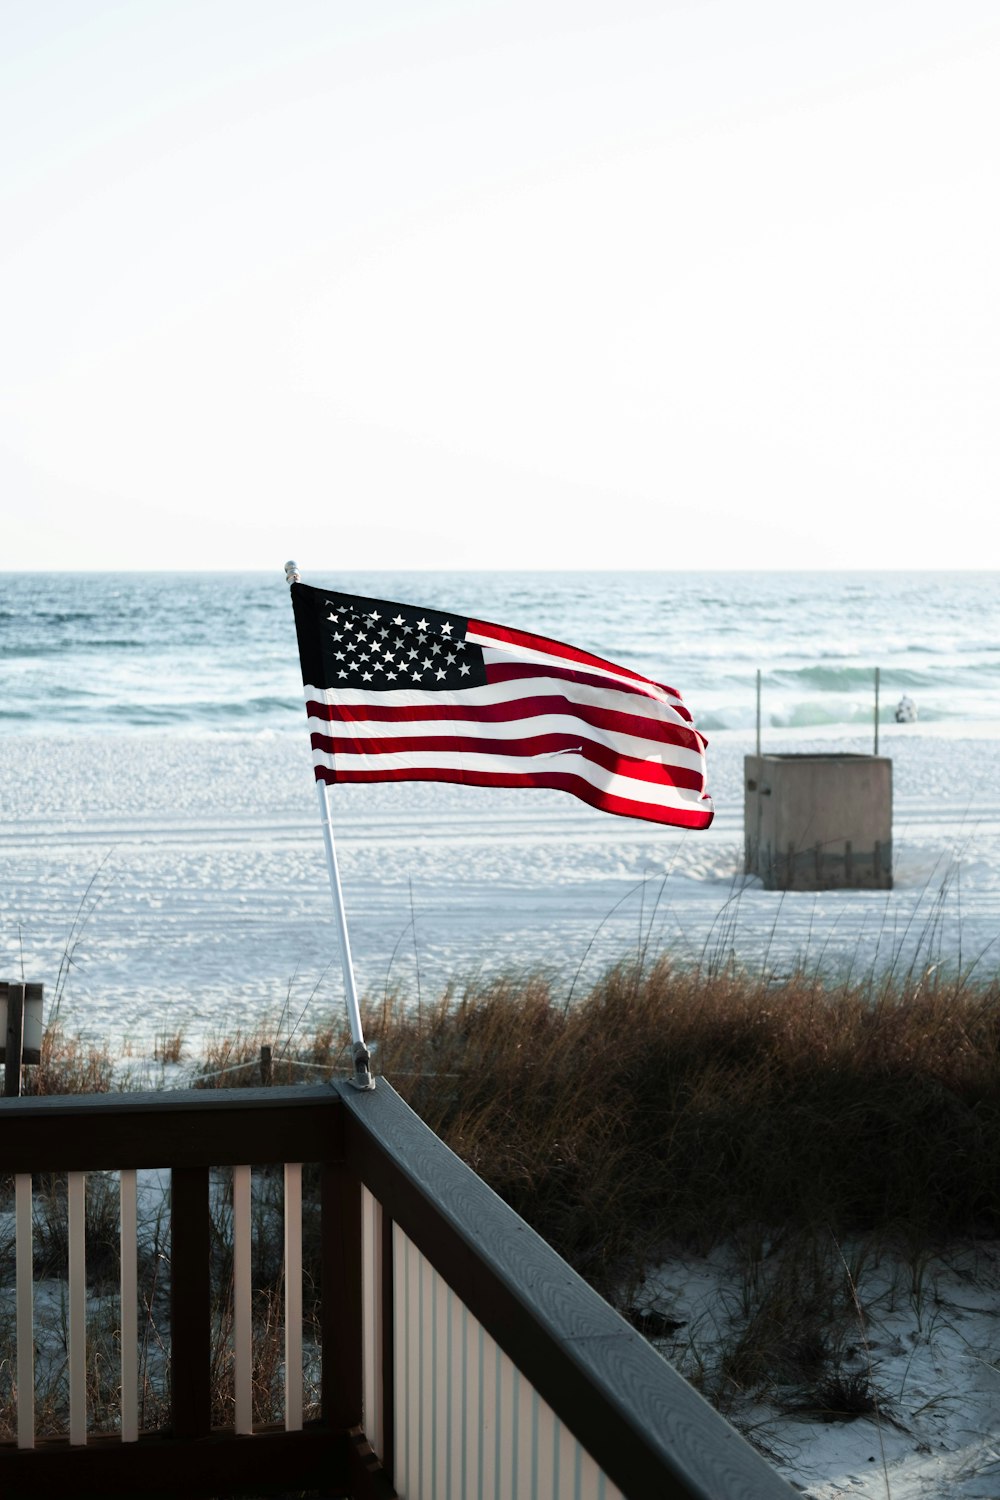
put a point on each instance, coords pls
(343, 1374)
(293, 1296)
(24, 1273)
(128, 1239)
(242, 1300)
(76, 1208)
(190, 1311)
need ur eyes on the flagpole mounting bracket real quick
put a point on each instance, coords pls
(362, 1079)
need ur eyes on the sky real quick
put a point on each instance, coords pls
(460, 284)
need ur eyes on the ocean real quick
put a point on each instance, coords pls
(161, 865)
(121, 651)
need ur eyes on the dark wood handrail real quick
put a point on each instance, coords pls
(186, 1128)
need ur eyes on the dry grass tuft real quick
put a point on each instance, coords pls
(237, 1059)
(666, 1107)
(69, 1066)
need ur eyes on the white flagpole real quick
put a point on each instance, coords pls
(362, 1058)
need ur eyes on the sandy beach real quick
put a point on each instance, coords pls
(196, 862)
(926, 1343)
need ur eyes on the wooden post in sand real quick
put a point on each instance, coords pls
(15, 1041)
(20, 1031)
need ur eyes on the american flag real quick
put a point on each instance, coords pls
(397, 693)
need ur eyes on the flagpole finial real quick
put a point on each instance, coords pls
(292, 572)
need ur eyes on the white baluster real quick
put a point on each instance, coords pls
(507, 1457)
(456, 1395)
(371, 1280)
(427, 1391)
(490, 1418)
(406, 1376)
(443, 1389)
(525, 1459)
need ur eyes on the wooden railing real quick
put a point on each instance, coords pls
(460, 1356)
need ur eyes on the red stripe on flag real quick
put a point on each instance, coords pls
(560, 781)
(609, 719)
(506, 637)
(483, 631)
(509, 671)
(541, 744)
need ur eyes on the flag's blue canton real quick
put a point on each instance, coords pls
(373, 652)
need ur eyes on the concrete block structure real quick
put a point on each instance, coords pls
(819, 822)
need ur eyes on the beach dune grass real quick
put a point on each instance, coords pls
(69, 1065)
(664, 1108)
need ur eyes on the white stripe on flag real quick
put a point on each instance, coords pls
(642, 701)
(608, 782)
(515, 730)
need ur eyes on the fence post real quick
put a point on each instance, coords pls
(265, 1065)
(190, 1296)
(342, 1332)
(14, 1042)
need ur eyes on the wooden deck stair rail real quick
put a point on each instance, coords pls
(461, 1357)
